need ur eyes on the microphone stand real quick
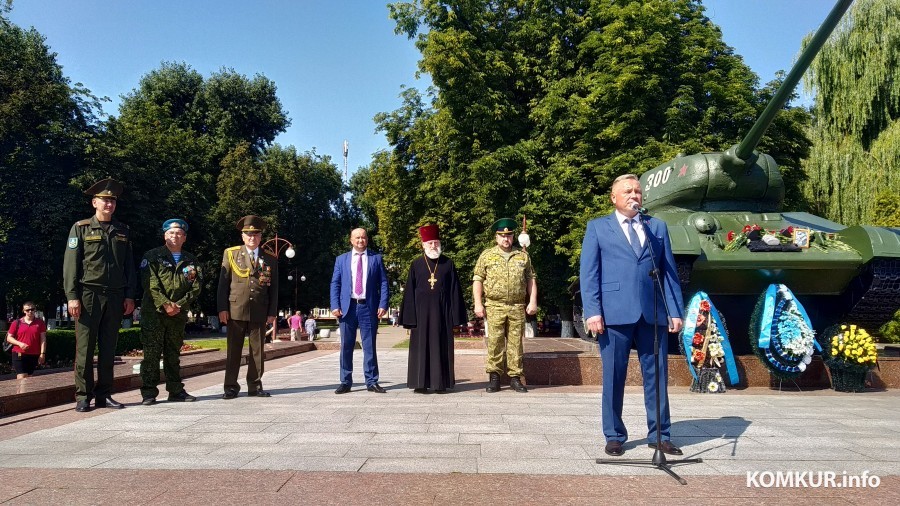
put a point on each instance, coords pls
(659, 460)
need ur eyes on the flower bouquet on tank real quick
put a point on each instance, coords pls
(849, 352)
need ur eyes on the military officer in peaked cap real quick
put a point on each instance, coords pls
(504, 288)
(247, 300)
(171, 280)
(100, 282)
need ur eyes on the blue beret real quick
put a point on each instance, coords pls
(175, 223)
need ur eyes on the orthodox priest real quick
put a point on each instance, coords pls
(432, 305)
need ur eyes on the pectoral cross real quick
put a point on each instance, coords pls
(432, 280)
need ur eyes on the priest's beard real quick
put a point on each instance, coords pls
(433, 254)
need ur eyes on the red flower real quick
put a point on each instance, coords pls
(755, 227)
(730, 235)
(698, 339)
(701, 319)
(704, 305)
(746, 229)
(698, 356)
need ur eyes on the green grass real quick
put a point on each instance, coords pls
(404, 344)
(215, 344)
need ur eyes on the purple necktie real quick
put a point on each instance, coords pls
(358, 289)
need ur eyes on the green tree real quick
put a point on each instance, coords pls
(45, 122)
(856, 129)
(538, 106)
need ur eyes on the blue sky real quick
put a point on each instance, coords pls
(336, 63)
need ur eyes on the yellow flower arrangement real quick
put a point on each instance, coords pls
(854, 346)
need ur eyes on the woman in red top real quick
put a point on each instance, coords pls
(29, 337)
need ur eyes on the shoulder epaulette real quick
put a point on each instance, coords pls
(82, 223)
(233, 248)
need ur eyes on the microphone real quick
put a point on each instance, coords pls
(638, 209)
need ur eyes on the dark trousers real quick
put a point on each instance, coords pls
(161, 335)
(359, 317)
(615, 347)
(97, 328)
(237, 330)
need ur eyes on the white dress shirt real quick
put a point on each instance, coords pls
(622, 219)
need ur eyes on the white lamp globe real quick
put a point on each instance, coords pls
(289, 252)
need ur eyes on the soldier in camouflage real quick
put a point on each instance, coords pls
(100, 282)
(171, 280)
(503, 283)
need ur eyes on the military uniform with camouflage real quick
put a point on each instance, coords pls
(171, 281)
(100, 282)
(504, 288)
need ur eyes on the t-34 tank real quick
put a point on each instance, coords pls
(703, 197)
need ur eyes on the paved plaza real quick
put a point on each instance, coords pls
(399, 447)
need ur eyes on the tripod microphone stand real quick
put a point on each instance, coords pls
(659, 460)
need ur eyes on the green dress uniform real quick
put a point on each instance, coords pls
(504, 276)
(164, 281)
(99, 271)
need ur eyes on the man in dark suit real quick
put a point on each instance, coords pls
(247, 300)
(359, 297)
(617, 295)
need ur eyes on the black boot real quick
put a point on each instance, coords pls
(516, 384)
(493, 383)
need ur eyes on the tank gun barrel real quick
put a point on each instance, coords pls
(745, 148)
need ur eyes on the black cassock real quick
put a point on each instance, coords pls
(430, 314)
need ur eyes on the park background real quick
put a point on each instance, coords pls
(530, 108)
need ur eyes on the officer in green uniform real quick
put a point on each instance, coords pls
(503, 283)
(171, 280)
(100, 281)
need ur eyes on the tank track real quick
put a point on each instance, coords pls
(875, 295)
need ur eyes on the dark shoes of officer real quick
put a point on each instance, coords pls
(83, 406)
(375, 387)
(259, 393)
(343, 389)
(182, 396)
(493, 383)
(516, 384)
(229, 394)
(148, 401)
(667, 447)
(108, 403)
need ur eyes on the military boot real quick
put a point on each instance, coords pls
(516, 384)
(493, 383)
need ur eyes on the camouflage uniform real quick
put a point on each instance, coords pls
(504, 277)
(165, 281)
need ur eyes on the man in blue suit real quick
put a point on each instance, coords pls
(617, 295)
(359, 297)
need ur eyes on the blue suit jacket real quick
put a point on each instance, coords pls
(376, 283)
(616, 284)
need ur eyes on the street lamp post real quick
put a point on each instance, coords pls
(274, 247)
(292, 276)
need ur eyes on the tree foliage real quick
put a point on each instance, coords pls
(44, 124)
(538, 106)
(856, 129)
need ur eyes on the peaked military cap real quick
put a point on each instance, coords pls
(176, 224)
(504, 226)
(107, 188)
(251, 223)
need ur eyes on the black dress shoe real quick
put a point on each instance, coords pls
(108, 403)
(493, 383)
(375, 387)
(667, 447)
(614, 448)
(148, 401)
(259, 393)
(229, 394)
(182, 396)
(83, 406)
(343, 389)
(420, 390)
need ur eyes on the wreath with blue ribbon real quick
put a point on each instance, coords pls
(781, 334)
